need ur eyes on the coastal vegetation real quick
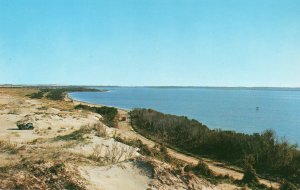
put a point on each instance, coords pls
(58, 93)
(68, 143)
(160, 152)
(263, 153)
(109, 114)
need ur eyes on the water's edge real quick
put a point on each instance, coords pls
(173, 101)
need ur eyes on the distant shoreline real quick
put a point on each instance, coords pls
(279, 132)
(113, 86)
(68, 98)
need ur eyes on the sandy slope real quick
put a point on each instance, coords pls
(129, 133)
(47, 120)
(125, 176)
(126, 131)
(58, 118)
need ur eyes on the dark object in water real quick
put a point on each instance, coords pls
(257, 108)
(23, 126)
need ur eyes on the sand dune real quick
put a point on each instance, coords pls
(65, 135)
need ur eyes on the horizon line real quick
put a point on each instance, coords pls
(162, 86)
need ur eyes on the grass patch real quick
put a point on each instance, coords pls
(8, 147)
(40, 173)
(77, 135)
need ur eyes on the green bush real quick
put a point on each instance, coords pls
(108, 113)
(250, 176)
(56, 94)
(202, 169)
(36, 95)
(286, 185)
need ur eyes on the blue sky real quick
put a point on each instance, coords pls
(150, 42)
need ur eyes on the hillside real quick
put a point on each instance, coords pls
(73, 149)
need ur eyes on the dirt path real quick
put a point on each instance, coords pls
(128, 132)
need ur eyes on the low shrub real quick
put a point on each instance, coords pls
(250, 176)
(109, 114)
(75, 135)
(286, 185)
(202, 169)
(36, 95)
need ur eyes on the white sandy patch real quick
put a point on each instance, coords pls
(125, 176)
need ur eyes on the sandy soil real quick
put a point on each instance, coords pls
(126, 131)
(47, 120)
(125, 176)
(120, 170)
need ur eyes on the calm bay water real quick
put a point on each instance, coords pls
(225, 108)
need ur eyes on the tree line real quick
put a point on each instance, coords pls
(268, 155)
(58, 93)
